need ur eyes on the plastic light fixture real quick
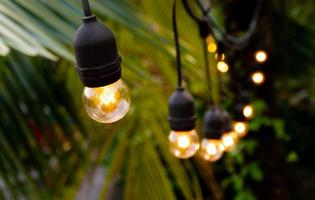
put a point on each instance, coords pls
(212, 147)
(183, 139)
(105, 96)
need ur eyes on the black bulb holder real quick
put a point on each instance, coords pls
(227, 122)
(98, 62)
(181, 111)
(214, 123)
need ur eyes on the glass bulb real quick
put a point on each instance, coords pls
(241, 128)
(222, 67)
(248, 111)
(212, 46)
(261, 56)
(107, 104)
(184, 144)
(211, 149)
(230, 140)
(258, 78)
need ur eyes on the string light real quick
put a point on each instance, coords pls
(261, 56)
(222, 66)
(248, 111)
(258, 77)
(105, 96)
(241, 128)
(212, 46)
(212, 147)
(183, 139)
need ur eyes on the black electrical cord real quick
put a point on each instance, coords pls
(86, 8)
(215, 28)
(176, 39)
(208, 79)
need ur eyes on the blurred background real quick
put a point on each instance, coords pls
(51, 149)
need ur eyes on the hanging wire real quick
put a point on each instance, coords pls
(176, 39)
(208, 79)
(86, 8)
(215, 27)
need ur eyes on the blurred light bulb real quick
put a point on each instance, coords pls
(222, 66)
(258, 77)
(261, 56)
(212, 46)
(107, 104)
(241, 128)
(184, 144)
(248, 111)
(230, 140)
(211, 149)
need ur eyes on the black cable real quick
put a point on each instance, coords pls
(86, 8)
(176, 39)
(208, 79)
(214, 26)
(247, 35)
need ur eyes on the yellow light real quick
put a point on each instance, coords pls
(258, 78)
(222, 67)
(248, 111)
(220, 57)
(107, 104)
(183, 141)
(183, 144)
(212, 47)
(241, 128)
(261, 56)
(211, 149)
(230, 140)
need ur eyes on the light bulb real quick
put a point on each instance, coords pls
(212, 46)
(211, 149)
(241, 128)
(248, 111)
(258, 77)
(222, 66)
(107, 104)
(230, 140)
(184, 144)
(261, 56)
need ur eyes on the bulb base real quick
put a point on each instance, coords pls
(181, 111)
(98, 62)
(214, 124)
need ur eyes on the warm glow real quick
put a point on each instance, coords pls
(107, 104)
(183, 141)
(212, 47)
(220, 57)
(261, 56)
(184, 144)
(241, 128)
(258, 78)
(230, 140)
(248, 111)
(211, 149)
(222, 66)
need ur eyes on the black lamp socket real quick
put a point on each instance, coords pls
(98, 62)
(181, 111)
